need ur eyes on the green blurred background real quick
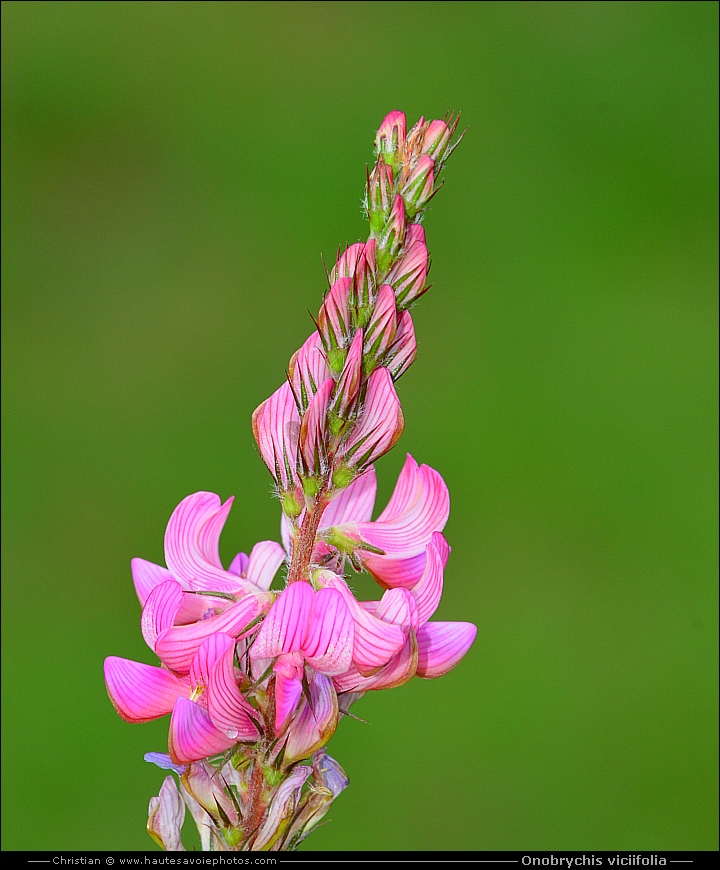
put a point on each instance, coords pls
(172, 173)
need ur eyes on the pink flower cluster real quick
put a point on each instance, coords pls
(258, 676)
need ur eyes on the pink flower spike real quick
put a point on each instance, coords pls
(441, 645)
(276, 426)
(192, 735)
(409, 274)
(141, 693)
(379, 425)
(314, 431)
(227, 707)
(380, 332)
(307, 370)
(284, 628)
(191, 545)
(401, 353)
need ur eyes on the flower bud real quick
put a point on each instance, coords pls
(401, 353)
(312, 444)
(380, 423)
(390, 138)
(334, 323)
(417, 184)
(380, 332)
(379, 196)
(409, 274)
(165, 817)
(392, 237)
(342, 406)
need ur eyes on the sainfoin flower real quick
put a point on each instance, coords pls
(256, 665)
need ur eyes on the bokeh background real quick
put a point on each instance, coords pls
(172, 173)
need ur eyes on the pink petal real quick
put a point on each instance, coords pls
(148, 575)
(308, 369)
(393, 124)
(354, 504)
(313, 429)
(209, 651)
(329, 643)
(441, 645)
(276, 426)
(288, 688)
(391, 572)
(398, 607)
(406, 532)
(284, 628)
(160, 610)
(334, 318)
(380, 422)
(347, 388)
(192, 735)
(265, 559)
(227, 707)
(191, 544)
(408, 275)
(405, 494)
(345, 266)
(402, 351)
(429, 588)
(314, 723)
(141, 692)
(207, 787)
(238, 565)
(381, 329)
(375, 642)
(177, 645)
(401, 667)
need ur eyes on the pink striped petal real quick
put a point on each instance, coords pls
(346, 394)
(191, 544)
(227, 707)
(313, 724)
(425, 510)
(141, 692)
(398, 607)
(209, 651)
(284, 628)
(160, 610)
(308, 369)
(353, 504)
(192, 735)
(147, 575)
(441, 645)
(334, 321)
(288, 688)
(392, 130)
(408, 276)
(391, 572)
(380, 422)
(265, 559)
(401, 667)
(276, 426)
(347, 262)
(314, 429)
(375, 642)
(380, 332)
(177, 645)
(429, 588)
(329, 643)
(405, 494)
(402, 351)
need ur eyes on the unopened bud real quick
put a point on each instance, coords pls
(390, 138)
(392, 237)
(402, 352)
(380, 332)
(417, 184)
(379, 196)
(409, 274)
(334, 323)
